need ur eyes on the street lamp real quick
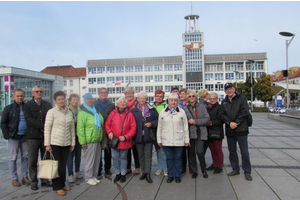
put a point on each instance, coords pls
(288, 42)
(252, 61)
(218, 90)
(236, 78)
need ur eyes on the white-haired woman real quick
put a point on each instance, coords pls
(121, 124)
(198, 118)
(146, 118)
(173, 135)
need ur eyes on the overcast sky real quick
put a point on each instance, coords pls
(34, 35)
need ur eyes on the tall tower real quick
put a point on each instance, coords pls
(193, 53)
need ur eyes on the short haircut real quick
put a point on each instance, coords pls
(142, 93)
(18, 90)
(103, 88)
(173, 96)
(212, 94)
(183, 90)
(73, 96)
(122, 97)
(37, 86)
(59, 93)
(202, 93)
(159, 91)
(128, 89)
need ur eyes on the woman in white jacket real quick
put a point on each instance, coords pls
(60, 134)
(173, 135)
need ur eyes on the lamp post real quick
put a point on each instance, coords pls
(236, 79)
(218, 90)
(252, 62)
(288, 42)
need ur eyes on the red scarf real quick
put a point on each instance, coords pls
(131, 104)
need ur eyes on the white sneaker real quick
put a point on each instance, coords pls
(96, 180)
(166, 173)
(158, 172)
(91, 181)
(78, 175)
(71, 179)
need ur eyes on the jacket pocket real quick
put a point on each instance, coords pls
(179, 135)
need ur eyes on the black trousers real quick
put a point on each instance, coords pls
(185, 157)
(61, 155)
(135, 155)
(197, 148)
(107, 160)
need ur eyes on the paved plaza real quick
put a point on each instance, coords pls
(275, 156)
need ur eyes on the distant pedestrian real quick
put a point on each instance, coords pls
(235, 111)
(13, 127)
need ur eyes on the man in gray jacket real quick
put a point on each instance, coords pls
(105, 106)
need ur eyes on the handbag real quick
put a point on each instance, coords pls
(215, 134)
(113, 143)
(151, 134)
(48, 169)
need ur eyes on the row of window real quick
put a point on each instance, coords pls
(194, 54)
(214, 87)
(139, 68)
(70, 83)
(193, 66)
(218, 67)
(136, 79)
(192, 38)
(230, 76)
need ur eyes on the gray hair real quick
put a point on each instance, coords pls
(193, 91)
(212, 94)
(128, 89)
(121, 98)
(37, 86)
(103, 88)
(142, 93)
(173, 96)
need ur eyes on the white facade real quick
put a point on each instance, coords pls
(75, 85)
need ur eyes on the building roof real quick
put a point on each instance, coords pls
(65, 71)
(281, 77)
(296, 74)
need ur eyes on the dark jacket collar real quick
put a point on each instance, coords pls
(167, 109)
(237, 94)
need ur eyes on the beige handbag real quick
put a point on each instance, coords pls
(48, 169)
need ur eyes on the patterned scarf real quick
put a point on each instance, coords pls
(96, 115)
(146, 112)
(173, 110)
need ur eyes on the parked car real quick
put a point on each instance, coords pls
(282, 110)
(271, 109)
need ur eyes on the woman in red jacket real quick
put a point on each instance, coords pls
(121, 124)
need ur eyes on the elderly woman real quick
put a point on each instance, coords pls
(182, 96)
(215, 125)
(159, 105)
(73, 106)
(121, 124)
(131, 102)
(198, 118)
(146, 118)
(89, 132)
(173, 135)
(59, 137)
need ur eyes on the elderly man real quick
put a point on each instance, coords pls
(105, 107)
(13, 127)
(35, 112)
(235, 111)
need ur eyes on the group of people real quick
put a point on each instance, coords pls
(179, 128)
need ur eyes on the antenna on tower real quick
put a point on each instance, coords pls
(191, 8)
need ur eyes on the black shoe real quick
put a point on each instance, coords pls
(205, 175)
(123, 178)
(218, 170)
(118, 177)
(195, 174)
(177, 179)
(210, 168)
(34, 187)
(170, 179)
(108, 172)
(233, 173)
(248, 177)
(143, 176)
(148, 178)
(46, 183)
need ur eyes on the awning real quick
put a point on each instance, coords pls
(293, 88)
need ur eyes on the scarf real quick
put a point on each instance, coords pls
(74, 111)
(96, 115)
(146, 112)
(131, 104)
(173, 110)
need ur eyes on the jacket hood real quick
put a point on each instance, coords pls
(236, 94)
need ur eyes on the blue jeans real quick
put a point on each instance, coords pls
(161, 159)
(14, 146)
(174, 160)
(77, 154)
(233, 156)
(119, 157)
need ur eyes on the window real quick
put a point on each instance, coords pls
(209, 77)
(110, 79)
(129, 69)
(240, 75)
(169, 87)
(119, 90)
(138, 89)
(111, 90)
(119, 69)
(71, 83)
(65, 91)
(101, 70)
(229, 76)
(129, 78)
(209, 87)
(65, 83)
(168, 67)
(148, 68)
(113, 100)
(101, 80)
(92, 81)
(177, 77)
(178, 67)
(138, 79)
(150, 99)
(260, 66)
(194, 86)
(258, 74)
(71, 91)
(93, 90)
(110, 69)
(193, 66)
(139, 68)
(213, 67)
(158, 68)
(168, 77)
(248, 74)
(192, 38)
(158, 78)
(149, 78)
(120, 79)
(92, 70)
(219, 87)
(159, 87)
(218, 76)
(149, 89)
(194, 54)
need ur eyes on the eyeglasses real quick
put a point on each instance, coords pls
(191, 96)
(213, 98)
(103, 92)
(122, 102)
(39, 91)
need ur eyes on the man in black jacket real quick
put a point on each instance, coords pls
(13, 127)
(105, 107)
(235, 111)
(35, 112)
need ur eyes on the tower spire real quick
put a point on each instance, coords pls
(191, 8)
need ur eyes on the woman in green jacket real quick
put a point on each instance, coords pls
(90, 132)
